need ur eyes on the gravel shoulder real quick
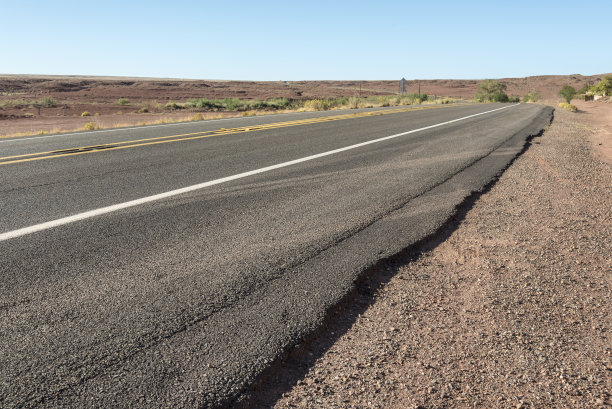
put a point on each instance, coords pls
(510, 308)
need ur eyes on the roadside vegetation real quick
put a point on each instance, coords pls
(493, 91)
(603, 87)
(46, 102)
(531, 97)
(198, 109)
(316, 104)
(567, 92)
(568, 106)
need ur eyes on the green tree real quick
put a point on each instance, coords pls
(491, 91)
(568, 93)
(603, 87)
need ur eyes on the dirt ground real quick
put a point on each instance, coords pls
(598, 116)
(99, 96)
(509, 309)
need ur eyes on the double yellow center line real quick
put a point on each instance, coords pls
(81, 150)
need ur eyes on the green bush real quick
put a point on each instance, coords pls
(47, 102)
(603, 87)
(204, 103)
(567, 92)
(531, 97)
(491, 91)
(14, 103)
(86, 113)
(232, 104)
(123, 101)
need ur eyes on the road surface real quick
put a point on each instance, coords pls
(169, 266)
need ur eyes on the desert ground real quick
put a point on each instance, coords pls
(21, 112)
(510, 308)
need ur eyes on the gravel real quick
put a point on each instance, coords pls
(509, 309)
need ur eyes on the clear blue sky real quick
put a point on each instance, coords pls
(287, 40)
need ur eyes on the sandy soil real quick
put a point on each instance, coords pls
(510, 309)
(99, 95)
(598, 117)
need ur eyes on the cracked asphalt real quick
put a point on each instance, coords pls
(186, 301)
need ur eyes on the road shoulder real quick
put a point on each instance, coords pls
(511, 310)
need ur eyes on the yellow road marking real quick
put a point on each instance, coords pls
(29, 157)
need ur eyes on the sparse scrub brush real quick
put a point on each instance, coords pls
(491, 91)
(90, 126)
(123, 101)
(567, 92)
(317, 105)
(173, 106)
(603, 87)
(353, 103)
(47, 102)
(85, 113)
(568, 106)
(531, 97)
(143, 110)
(232, 104)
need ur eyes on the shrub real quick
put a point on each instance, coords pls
(567, 92)
(568, 106)
(85, 113)
(47, 101)
(353, 103)
(13, 103)
(317, 105)
(90, 126)
(531, 97)
(204, 103)
(514, 99)
(143, 110)
(232, 104)
(491, 91)
(123, 101)
(278, 103)
(584, 89)
(173, 106)
(197, 117)
(603, 87)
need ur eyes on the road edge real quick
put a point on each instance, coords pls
(513, 148)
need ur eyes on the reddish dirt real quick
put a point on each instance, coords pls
(99, 95)
(510, 308)
(598, 116)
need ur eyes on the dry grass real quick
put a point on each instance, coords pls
(569, 107)
(310, 105)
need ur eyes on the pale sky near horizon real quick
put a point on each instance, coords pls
(310, 40)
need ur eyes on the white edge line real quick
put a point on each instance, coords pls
(127, 128)
(120, 206)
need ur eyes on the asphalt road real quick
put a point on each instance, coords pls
(111, 296)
